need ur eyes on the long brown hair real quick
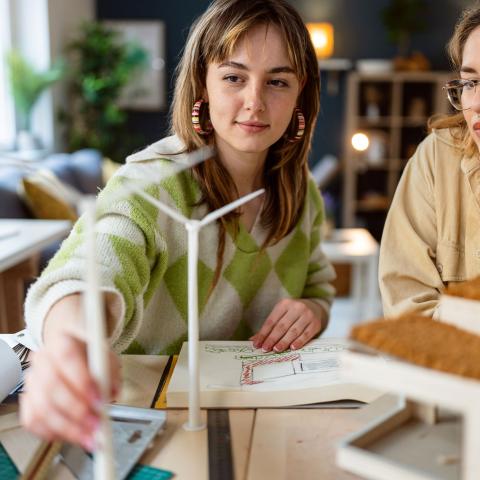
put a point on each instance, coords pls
(212, 39)
(469, 21)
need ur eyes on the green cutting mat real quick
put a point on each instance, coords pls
(8, 470)
(143, 472)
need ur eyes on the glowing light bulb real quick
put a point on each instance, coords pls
(321, 35)
(360, 142)
(319, 39)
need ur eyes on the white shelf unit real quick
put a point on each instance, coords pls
(394, 108)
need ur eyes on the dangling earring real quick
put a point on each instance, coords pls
(196, 119)
(300, 126)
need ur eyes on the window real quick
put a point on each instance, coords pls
(7, 116)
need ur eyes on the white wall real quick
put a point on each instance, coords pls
(7, 120)
(65, 18)
(41, 30)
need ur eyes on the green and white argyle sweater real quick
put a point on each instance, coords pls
(143, 260)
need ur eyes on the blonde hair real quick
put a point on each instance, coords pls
(212, 39)
(469, 21)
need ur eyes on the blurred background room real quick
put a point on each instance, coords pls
(83, 83)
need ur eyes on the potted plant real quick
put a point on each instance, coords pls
(403, 18)
(26, 85)
(102, 65)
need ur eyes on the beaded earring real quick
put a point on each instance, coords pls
(196, 119)
(300, 126)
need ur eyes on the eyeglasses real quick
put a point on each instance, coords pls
(461, 93)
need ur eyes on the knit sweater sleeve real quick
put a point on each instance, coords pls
(318, 285)
(131, 255)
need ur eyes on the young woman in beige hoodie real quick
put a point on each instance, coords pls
(432, 233)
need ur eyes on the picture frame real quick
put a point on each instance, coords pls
(149, 90)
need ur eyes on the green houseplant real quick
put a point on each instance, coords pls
(102, 65)
(402, 18)
(26, 85)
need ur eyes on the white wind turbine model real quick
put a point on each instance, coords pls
(193, 228)
(103, 467)
(97, 354)
(93, 312)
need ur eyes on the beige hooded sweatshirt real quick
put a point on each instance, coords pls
(432, 233)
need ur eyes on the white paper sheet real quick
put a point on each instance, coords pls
(10, 370)
(23, 337)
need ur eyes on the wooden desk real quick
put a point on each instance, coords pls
(20, 243)
(280, 444)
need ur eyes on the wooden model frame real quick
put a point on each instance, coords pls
(424, 390)
(460, 312)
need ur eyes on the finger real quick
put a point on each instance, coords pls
(305, 337)
(58, 427)
(54, 407)
(38, 416)
(75, 372)
(280, 329)
(28, 418)
(59, 396)
(78, 413)
(294, 332)
(276, 314)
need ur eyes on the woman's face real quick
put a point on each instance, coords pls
(253, 93)
(470, 69)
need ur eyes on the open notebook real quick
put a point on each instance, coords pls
(234, 374)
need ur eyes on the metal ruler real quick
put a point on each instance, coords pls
(220, 464)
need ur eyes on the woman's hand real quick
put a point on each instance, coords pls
(291, 324)
(61, 399)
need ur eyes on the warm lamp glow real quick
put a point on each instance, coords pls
(321, 35)
(360, 142)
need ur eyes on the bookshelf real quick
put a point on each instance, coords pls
(392, 109)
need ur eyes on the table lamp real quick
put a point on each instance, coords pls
(322, 36)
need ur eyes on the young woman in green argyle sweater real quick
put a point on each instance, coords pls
(248, 85)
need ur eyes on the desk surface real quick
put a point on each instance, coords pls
(350, 244)
(266, 443)
(20, 239)
(279, 444)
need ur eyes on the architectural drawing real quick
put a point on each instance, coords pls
(276, 367)
(234, 374)
(258, 367)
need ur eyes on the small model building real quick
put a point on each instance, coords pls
(434, 431)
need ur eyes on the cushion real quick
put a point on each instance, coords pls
(81, 169)
(87, 166)
(46, 197)
(60, 165)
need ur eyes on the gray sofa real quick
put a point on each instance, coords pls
(81, 169)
